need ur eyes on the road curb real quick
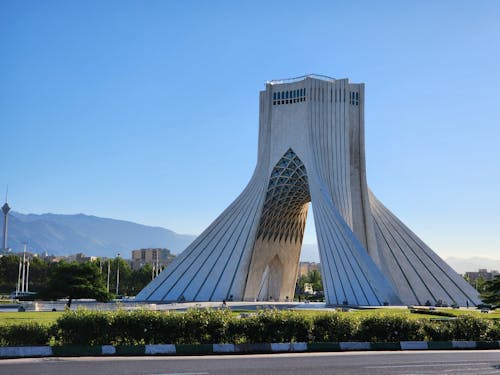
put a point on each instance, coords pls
(160, 349)
(414, 345)
(25, 351)
(204, 349)
(440, 345)
(323, 347)
(76, 350)
(348, 346)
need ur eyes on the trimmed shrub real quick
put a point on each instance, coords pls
(437, 330)
(388, 328)
(236, 332)
(493, 333)
(333, 327)
(276, 326)
(83, 327)
(464, 327)
(132, 328)
(25, 334)
(467, 327)
(163, 327)
(205, 326)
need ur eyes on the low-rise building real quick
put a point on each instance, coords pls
(157, 258)
(307, 267)
(308, 288)
(80, 257)
(482, 273)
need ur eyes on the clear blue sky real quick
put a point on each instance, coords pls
(148, 110)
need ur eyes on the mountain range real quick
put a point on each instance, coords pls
(69, 234)
(91, 235)
(462, 265)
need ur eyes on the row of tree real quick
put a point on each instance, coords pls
(53, 280)
(98, 279)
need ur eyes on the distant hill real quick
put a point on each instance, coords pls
(462, 265)
(91, 235)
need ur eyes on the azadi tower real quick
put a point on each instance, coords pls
(311, 150)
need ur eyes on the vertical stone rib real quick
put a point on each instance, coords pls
(349, 269)
(440, 281)
(224, 248)
(191, 253)
(172, 290)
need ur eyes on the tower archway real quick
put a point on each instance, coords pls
(276, 252)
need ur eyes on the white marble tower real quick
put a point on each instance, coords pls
(311, 149)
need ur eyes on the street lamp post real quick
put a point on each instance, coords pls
(117, 273)
(157, 262)
(109, 271)
(23, 275)
(18, 289)
(27, 275)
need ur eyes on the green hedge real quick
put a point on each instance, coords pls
(83, 327)
(272, 326)
(334, 327)
(389, 329)
(464, 327)
(200, 326)
(27, 334)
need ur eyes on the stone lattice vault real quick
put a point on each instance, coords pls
(311, 150)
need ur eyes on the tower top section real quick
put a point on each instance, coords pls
(301, 78)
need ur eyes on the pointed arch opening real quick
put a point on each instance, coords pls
(275, 257)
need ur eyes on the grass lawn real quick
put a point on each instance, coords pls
(495, 314)
(372, 312)
(47, 317)
(455, 312)
(406, 312)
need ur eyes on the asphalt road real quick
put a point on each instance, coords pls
(373, 363)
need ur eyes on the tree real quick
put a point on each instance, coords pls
(76, 280)
(124, 276)
(9, 271)
(40, 271)
(139, 279)
(300, 283)
(479, 284)
(491, 291)
(315, 279)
